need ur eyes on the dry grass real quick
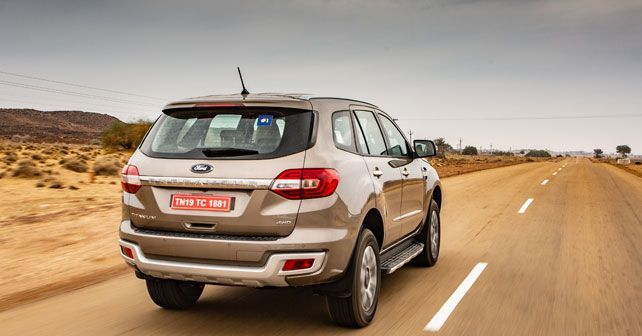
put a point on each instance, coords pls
(107, 166)
(60, 218)
(455, 164)
(634, 168)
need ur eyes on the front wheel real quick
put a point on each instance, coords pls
(430, 236)
(358, 309)
(172, 294)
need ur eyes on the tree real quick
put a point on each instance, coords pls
(598, 153)
(623, 150)
(122, 135)
(469, 150)
(538, 153)
(443, 145)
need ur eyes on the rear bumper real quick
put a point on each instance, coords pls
(251, 262)
(270, 274)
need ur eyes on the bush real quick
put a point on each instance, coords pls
(26, 168)
(538, 153)
(107, 166)
(121, 135)
(469, 150)
(37, 156)
(502, 153)
(75, 165)
(10, 157)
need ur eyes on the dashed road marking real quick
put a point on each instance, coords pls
(525, 206)
(555, 173)
(559, 169)
(544, 182)
(442, 315)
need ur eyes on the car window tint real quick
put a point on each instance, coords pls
(371, 133)
(398, 145)
(342, 131)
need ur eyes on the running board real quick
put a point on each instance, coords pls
(400, 255)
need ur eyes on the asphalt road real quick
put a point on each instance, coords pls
(570, 264)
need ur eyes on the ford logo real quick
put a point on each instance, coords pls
(202, 168)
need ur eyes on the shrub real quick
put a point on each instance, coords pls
(10, 157)
(75, 165)
(55, 184)
(469, 150)
(122, 135)
(538, 153)
(26, 168)
(37, 156)
(502, 153)
(107, 166)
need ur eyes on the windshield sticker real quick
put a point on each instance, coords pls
(264, 120)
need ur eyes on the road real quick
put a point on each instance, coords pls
(570, 264)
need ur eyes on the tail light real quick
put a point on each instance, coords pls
(127, 252)
(129, 179)
(306, 183)
(296, 264)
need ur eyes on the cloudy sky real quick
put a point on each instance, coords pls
(560, 74)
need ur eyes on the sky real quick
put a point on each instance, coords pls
(559, 75)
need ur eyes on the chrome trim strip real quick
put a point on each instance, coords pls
(268, 275)
(406, 215)
(206, 182)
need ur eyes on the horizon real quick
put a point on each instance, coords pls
(555, 75)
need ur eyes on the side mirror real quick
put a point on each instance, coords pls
(425, 148)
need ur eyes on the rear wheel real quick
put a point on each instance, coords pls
(172, 294)
(430, 236)
(358, 309)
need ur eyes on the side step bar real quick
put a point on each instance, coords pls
(400, 255)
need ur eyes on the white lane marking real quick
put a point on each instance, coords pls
(555, 173)
(544, 182)
(559, 169)
(442, 315)
(525, 206)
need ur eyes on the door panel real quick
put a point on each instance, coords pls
(412, 203)
(385, 177)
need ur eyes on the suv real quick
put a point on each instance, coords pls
(277, 190)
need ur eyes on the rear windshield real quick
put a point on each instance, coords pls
(234, 133)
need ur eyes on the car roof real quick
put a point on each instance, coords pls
(260, 98)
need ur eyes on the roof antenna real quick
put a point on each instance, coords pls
(245, 91)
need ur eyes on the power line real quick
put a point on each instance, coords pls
(78, 85)
(597, 116)
(73, 93)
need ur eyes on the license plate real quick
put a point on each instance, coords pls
(202, 202)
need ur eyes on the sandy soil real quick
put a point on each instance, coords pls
(460, 164)
(56, 240)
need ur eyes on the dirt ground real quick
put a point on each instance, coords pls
(58, 230)
(634, 168)
(460, 164)
(56, 239)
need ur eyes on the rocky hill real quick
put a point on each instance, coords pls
(53, 126)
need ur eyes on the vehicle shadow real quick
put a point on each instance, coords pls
(277, 311)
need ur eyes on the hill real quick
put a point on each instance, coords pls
(53, 126)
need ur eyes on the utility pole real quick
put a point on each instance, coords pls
(491, 149)
(460, 149)
(410, 132)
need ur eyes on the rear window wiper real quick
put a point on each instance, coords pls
(228, 151)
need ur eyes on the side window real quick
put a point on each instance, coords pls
(371, 132)
(342, 131)
(398, 145)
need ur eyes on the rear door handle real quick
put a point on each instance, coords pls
(377, 172)
(405, 172)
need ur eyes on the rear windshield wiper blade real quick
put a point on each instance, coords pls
(214, 152)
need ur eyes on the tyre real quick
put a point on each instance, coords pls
(357, 309)
(430, 236)
(172, 294)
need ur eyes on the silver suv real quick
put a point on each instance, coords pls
(277, 190)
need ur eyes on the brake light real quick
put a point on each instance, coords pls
(297, 264)
(306, 183)
(217, 105)
(129, 179)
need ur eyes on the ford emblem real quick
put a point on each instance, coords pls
(202, 168)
